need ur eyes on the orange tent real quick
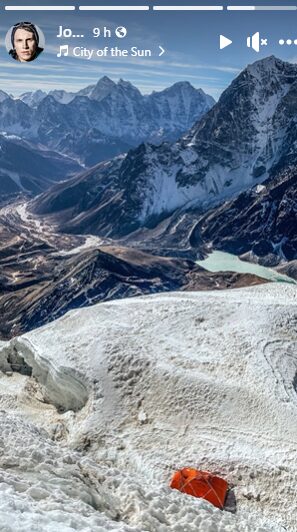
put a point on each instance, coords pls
(201, 484)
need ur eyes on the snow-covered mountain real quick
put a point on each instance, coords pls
(94, 92)
(32, 99)
(16, 118)
(236, 145)
(177, 105)
(106, 119)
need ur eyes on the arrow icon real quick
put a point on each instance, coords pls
(224, 42)
(162, 51)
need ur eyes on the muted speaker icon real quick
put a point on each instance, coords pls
(255, 42)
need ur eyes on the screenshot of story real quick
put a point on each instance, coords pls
(151, 44)
(148, 265)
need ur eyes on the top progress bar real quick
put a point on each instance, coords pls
(39, 8)
(147, 8)
(114, 8)
(72, 8)
(188, 8)
(262, 8)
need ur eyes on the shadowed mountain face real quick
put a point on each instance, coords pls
(240, 142)
(31, 169)
(261, 222)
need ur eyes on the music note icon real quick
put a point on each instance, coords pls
(64, 51)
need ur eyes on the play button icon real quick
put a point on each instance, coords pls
(224, 42)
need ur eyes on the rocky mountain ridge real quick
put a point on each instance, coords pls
(242, 141)
(103, 120)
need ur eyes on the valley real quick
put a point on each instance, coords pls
(44, 273)
(138, 223)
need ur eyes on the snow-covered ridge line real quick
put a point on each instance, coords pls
(108, 118)
(243, 140)
(64, 387)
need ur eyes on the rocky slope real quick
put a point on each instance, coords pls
(289, 269)
(260, 224)
(43, 274)
(240, 142)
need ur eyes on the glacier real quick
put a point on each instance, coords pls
(98, 408)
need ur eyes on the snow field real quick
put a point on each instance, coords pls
(160, 382)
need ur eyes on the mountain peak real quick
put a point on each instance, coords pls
(124, 82)
(129, 89)
(183, 84)
(105, 84)
(102, 89)
(266, 78)
(105, 80)
(269, 64)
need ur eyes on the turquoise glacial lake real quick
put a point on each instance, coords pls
(219, 261)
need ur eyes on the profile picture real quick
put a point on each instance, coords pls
(24, 42)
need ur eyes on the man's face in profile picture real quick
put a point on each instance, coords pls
(25, 44)
(24, 41)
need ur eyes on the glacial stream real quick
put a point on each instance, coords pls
(219, 261)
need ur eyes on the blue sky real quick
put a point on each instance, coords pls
(191, 41)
